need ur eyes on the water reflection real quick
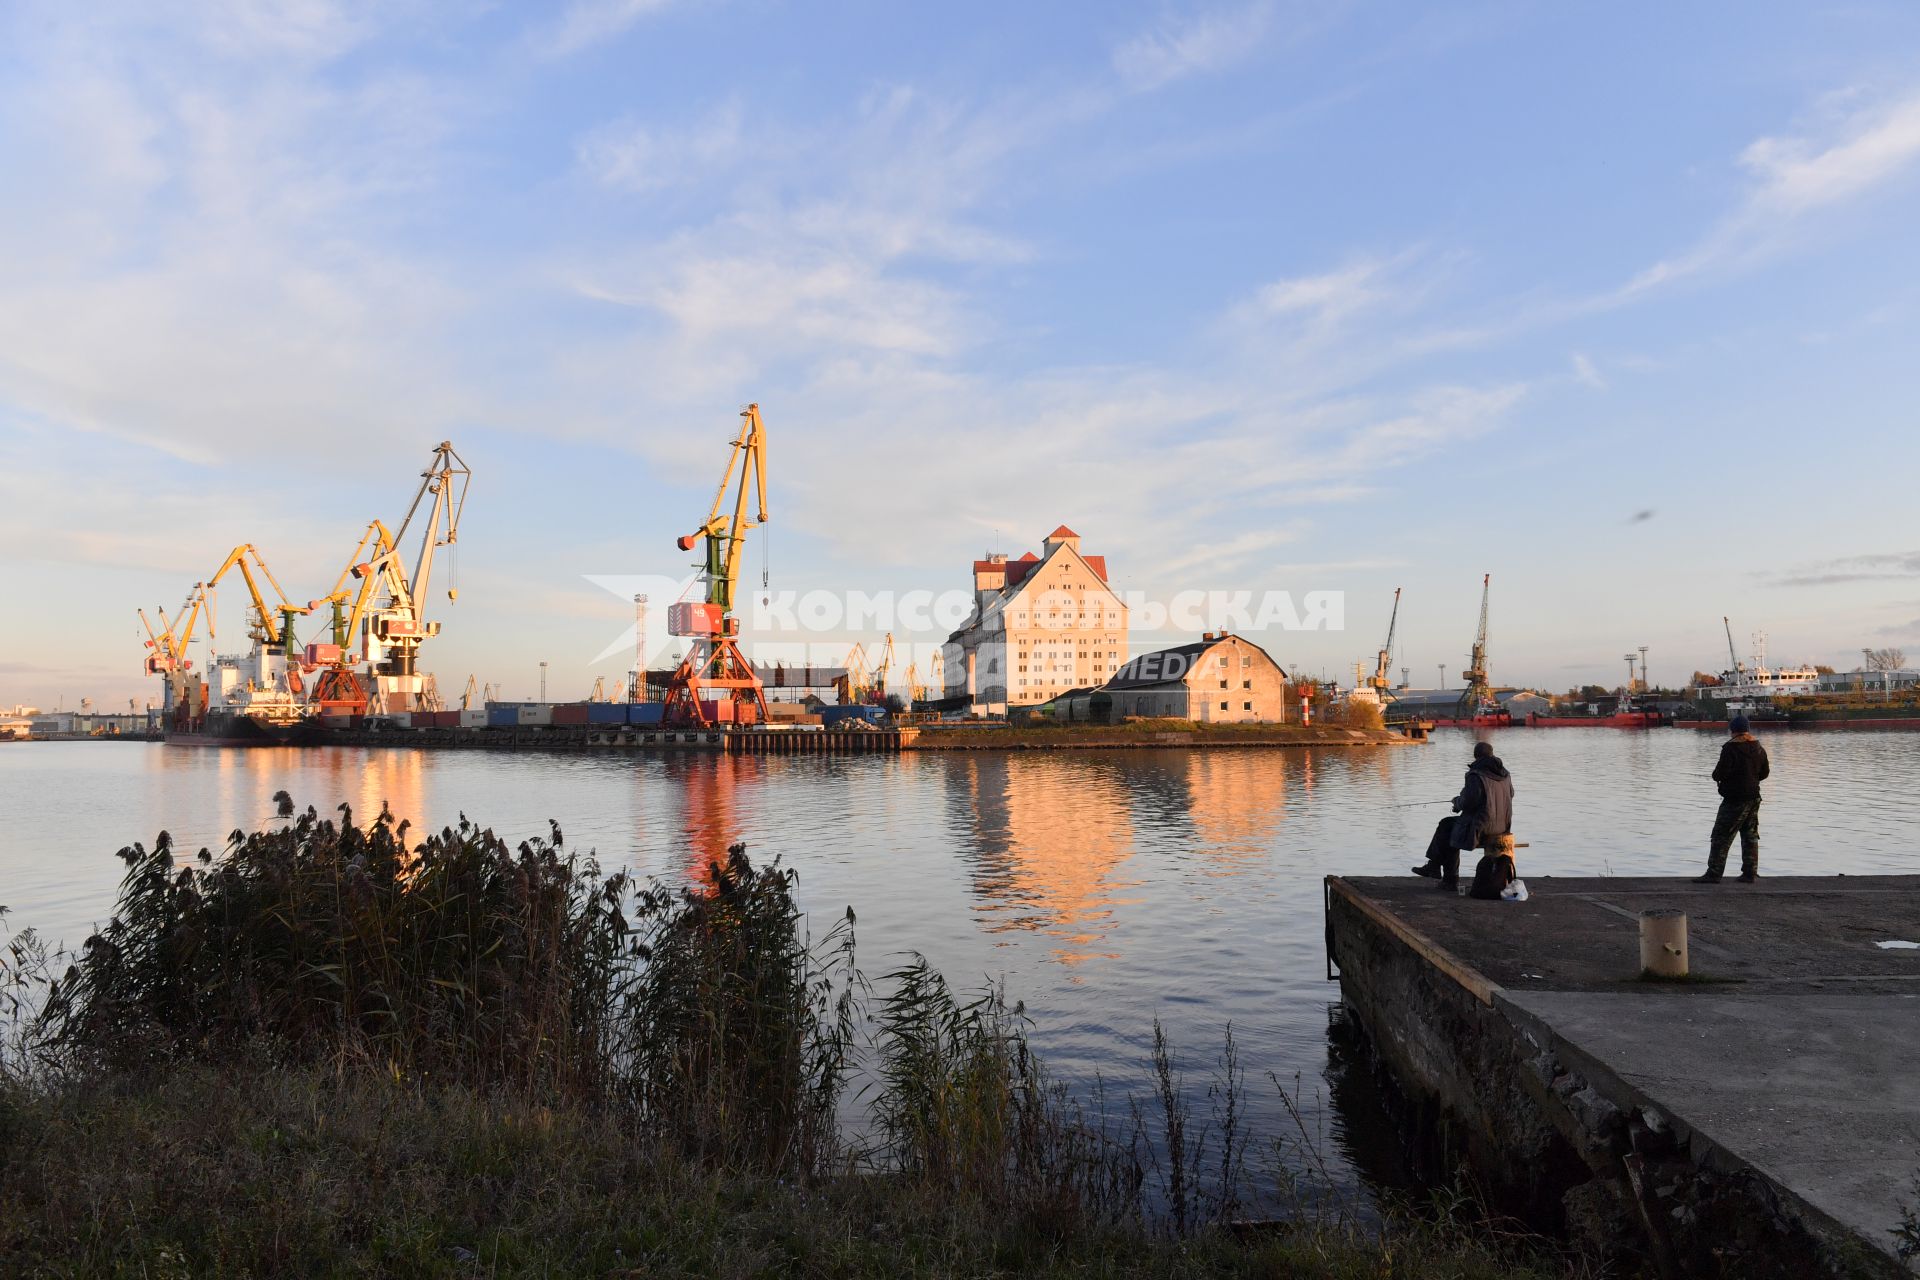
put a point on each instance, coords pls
(1048, 839)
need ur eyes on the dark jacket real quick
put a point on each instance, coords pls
(1743, 763)
(1485, 804)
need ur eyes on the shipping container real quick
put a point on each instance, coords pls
(322, 654)
(643, 712)
(570, 713)
(717, 711)
(436, 719)
(535, 713)
(606, 713)
(502, 717)
(473, 718)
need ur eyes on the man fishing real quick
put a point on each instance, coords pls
(1742, 767)
(1483, 813)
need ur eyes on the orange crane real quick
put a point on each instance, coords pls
(341, 689)
(714, 681)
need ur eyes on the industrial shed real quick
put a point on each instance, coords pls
(1220, 678)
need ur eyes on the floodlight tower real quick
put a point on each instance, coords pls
(1646, 685)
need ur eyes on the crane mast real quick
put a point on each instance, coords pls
(1477, 695)
(1737, 670)
(714, 671)
(1382, 681)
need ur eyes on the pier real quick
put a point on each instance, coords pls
(1760, 1118)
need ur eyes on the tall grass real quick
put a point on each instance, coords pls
(629, 1049)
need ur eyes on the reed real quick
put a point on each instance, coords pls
(324, 1051)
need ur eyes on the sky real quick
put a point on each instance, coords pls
(1618, 305)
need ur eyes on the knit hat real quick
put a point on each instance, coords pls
(1738, 724)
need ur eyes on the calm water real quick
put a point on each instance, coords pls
(1104, 888)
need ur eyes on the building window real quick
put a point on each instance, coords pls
(1223, 706)
(1246, 706)
(1244, 684)
(1246, 662)
(1223, 684)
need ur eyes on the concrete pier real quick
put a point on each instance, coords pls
(1760, 1118)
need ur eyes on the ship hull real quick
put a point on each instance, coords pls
(1621, 720)
(218, 729)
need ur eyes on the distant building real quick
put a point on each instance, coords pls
(1219, 678)
(1041, 625)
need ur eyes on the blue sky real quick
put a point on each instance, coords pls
(1253, 295)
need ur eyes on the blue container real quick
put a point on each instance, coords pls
(502, 717)
(606, 713)
(643, 712)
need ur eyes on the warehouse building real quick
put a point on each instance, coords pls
(1220, 678)
(1042, 625)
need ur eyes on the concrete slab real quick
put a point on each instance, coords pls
(1791, 1052)
(1817, 1091)
(1583, 933)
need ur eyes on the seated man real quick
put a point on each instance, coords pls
(1484, 811)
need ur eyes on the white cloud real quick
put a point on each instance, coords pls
(1795, 176)
(589, 22)
(1586, 374)
(1178, 47)
(636, 157)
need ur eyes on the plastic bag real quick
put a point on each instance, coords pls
(1516, 891)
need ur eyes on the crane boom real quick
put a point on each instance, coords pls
(1477, 695)
(1731, 656)
(726, 537)
(246, 557)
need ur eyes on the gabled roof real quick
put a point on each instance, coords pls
(1171, 666)
(1063, 532)
(1145, 671)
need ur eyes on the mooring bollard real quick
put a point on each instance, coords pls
(1663, 942)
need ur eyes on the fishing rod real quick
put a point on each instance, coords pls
(1413, 804)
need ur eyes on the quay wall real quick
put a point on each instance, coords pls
(1546, 1133)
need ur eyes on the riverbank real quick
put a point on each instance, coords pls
(1146, 734)
(247, 1170)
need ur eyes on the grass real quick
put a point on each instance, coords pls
(326, 1053)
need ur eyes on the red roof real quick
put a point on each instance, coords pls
(1017, 571)
(988, 566)
(1029, 556)
(1063, 532)
(1099, 566)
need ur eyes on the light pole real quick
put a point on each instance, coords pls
(1443, 675)
(543, 682)
(1646, 685)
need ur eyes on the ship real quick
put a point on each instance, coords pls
(1630, 718)
(245, 701)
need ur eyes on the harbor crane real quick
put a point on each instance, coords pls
(1477, 697)
(853, 682)
(1737, 670)
(340, 690)
(169, 644)
(877, 677)
(397, 620)
(714, 670)
(1382, 680)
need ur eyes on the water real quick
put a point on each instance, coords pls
(1104, 888)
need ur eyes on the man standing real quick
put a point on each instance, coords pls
(1485, 809)
(1742, 767)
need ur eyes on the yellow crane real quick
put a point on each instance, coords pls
(853, 683)
(169, 645)
(263, 625)
(714, 672)
(877, 683)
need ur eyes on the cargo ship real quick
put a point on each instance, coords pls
(245, 700)
(1632, 718)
